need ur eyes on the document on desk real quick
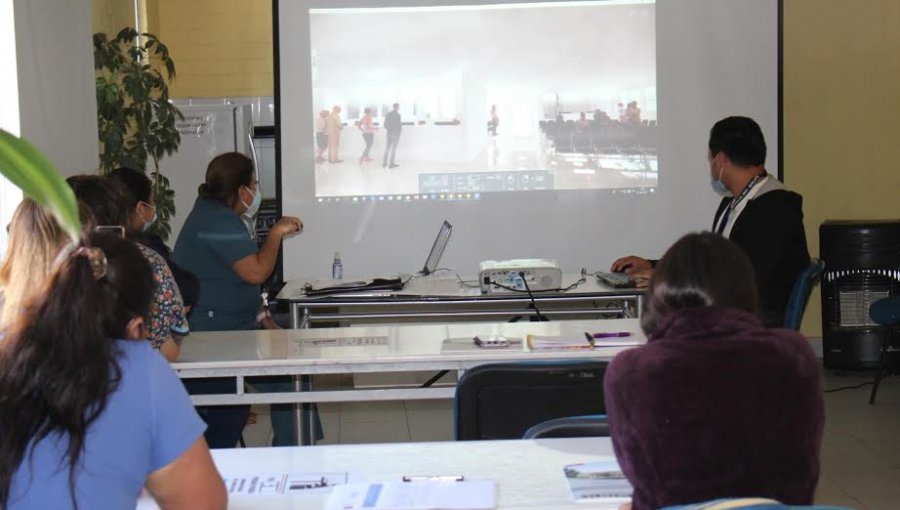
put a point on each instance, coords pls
(601, 480)
(419, 495)
(282, 483)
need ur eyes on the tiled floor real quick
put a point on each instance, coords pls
(860, 452)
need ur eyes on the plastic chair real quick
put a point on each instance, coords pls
(884, 312)
(595, 425)
(803, 286)
(503, 400)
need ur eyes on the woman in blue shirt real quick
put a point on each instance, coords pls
(215, 245)
(86, 420)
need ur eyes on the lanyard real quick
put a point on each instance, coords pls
(736, 200)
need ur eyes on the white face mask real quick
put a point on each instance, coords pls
(149, 224)
(253, 207)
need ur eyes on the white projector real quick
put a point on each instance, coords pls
(506, 275)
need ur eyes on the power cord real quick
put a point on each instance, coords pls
(537, 312)
(472, 284)
(842, 388)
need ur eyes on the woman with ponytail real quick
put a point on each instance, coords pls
(89, 413)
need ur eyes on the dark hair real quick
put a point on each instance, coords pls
(396, 105)
(104, 198)
(225, 175)
(741, 139)
(58, 366)
(135, 185)
(699, 270)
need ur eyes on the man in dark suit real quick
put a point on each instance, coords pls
(393, 126)
(756, 212)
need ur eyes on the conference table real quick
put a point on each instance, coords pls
(355, 350)
(528, 473)
(443, 297)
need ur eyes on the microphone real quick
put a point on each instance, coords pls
(540, 317)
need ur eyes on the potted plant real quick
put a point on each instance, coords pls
(135, 120)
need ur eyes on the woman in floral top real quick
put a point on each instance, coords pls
(108, 201)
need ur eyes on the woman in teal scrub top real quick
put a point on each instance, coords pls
(215, 245)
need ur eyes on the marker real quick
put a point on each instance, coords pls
(618, 334)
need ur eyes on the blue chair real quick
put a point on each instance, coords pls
(884, 312)
(504, 400)
(803, 286)
(595, 425)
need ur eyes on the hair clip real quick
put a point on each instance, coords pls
(96, 258)
(116, 230)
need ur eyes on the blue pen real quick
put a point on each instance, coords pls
(618, 334)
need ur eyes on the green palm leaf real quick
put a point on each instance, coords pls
(26, 167)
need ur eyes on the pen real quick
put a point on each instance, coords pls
(617, 334)
(445, 478)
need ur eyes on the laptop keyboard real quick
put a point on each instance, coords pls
(615, 280)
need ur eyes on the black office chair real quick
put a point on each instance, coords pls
(502, 401)
(595, 425)
(884, 312)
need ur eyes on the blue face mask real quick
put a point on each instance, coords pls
(253, 208)
(149, 224)
(718, 186)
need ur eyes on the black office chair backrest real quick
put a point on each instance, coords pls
(502, 401)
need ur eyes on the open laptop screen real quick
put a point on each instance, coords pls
(437, 249)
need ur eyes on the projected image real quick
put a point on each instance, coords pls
(462, 101)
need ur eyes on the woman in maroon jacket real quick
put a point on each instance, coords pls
(715, 405)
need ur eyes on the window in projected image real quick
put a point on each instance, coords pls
(458, 102)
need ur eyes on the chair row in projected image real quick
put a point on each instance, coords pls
(593, 137)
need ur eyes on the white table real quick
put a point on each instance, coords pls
(528, 474)
(442, 298)
(409, 348)
(406, 348)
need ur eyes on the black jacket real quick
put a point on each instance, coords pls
(770, 230)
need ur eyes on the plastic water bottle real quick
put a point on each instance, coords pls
(337, 269)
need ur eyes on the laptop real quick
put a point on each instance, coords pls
(437, 249)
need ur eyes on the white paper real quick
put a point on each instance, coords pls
(424, 495)
(282, 483)
(597, 480)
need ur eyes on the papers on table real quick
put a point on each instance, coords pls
(415, 495)
(593, 481)
(282, 483)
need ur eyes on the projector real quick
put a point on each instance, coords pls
(505, 275)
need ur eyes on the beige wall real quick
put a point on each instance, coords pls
(842, 114)
(220, 47)
(110, 16)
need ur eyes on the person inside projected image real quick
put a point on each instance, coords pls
(582, 124)
(393, 125)
(633, 114)
(620, 110)
(368, 134)
(494, 121)
(321, 135)
(333, 127)
(757, 212)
